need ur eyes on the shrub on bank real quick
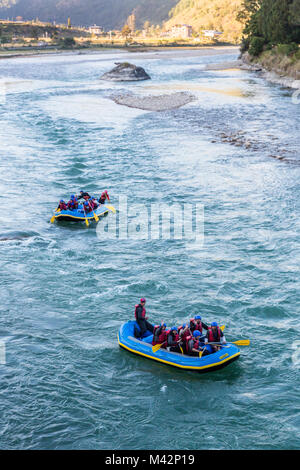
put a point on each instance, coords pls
(256, 46)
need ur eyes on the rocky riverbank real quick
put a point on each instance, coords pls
(276, 68)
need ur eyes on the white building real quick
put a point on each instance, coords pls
(95, 29)
(181, 31)
(211, 33)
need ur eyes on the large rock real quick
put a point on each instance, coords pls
(125, 72)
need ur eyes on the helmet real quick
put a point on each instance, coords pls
(197, 317)
(184, 325)
(196, 333)
(86, 203)
(214, 323)
(174, 328)
(61, 201)
(163, 324)
(142, 300)
(72, 197)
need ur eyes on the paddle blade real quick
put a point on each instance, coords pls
(111, 208)
(222, 327)
(96, 218)
(87, 222)
(52, 219)
(200, 353)
(242, 342)
(156, 347)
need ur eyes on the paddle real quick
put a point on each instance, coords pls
(111, 208)
(201, 352)
(53, 217)
(157, 347)
(95, 215)
(241, 342)
(86, 220)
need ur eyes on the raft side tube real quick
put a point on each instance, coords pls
(217, 360)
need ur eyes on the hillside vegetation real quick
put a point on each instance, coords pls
(110, 14)
(210, 14)
(272, 35)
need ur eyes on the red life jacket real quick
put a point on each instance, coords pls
(63, 206)
(155, 338)
(198, 326)
(143, 312)
(186, 334)
(188, 346)
(211, 338)
(163, 336)
(175, 338)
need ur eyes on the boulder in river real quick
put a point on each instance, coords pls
(126, 72)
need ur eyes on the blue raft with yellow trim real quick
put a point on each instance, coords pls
(227, 354)
(78, 215)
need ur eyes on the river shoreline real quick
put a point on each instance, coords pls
(276, 73)
(169, 51)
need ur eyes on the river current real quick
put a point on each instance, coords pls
(64, 291)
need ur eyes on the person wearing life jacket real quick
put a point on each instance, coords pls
(103, 197)
(73, 203)
(93, 203)
(196, 323)
(159, 334)
(215, 335)
(141, 319)
(86, 207)
(193, 344)
(62, 205)
(83, 195)
(183, 332)
(172, 340)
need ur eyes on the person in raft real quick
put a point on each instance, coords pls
(159, 334)
(173, 340)
(103, 197)
(83, 195)
(141, 319)
(86, 207)
(62, 206)
(93, 203)
(194, 345)
(215, 335)
(196, 323)
(73, 203)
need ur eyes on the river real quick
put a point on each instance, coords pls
(64, 291)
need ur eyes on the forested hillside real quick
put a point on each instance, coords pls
(209, 14)
(270, 23)
(109, 14)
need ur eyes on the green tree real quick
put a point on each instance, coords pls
(295, 13)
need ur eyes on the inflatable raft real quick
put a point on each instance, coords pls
(78, 215)
(227, 354)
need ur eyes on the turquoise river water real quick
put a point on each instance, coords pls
(64, 291)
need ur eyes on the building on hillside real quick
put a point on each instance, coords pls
(97, 30)
(211, 33)
(181, 31)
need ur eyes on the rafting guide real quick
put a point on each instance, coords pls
(155, 221)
